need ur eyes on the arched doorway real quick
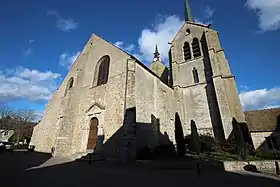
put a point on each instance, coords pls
(179, 136)
(92, 137)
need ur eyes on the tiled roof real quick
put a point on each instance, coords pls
(263, 120)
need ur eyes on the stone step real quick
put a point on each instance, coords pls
(57, 160)
(93, 157)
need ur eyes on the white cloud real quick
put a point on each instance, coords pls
(208, 12)
(268, 12)
(38, 115)
(31, 41)
(260, 99)
(128, 48)
(161, 34)
(207, 16)
(28, 52)
(63, 24)
(23, 83)
(67, 59)
(36, 75)
(244, 87)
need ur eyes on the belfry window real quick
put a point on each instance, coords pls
(103, 70)
(187, 51)
(196, 48)
(195, 75)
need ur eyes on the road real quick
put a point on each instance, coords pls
(13, 172)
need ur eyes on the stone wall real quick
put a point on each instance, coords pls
(154, 109)
(263, 165)
(66, 121)
(259, 140)
(196, 109)
(45, 133)
(213, 102)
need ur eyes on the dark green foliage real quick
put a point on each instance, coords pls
(229, 146)
(20, 146)
(266, 155)
(13, 138)
(206, 144)
(209, 144)
(179, 136)
(195, 142)
(164, 151)
(144, 153)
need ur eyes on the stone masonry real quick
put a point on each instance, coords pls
(209, 97)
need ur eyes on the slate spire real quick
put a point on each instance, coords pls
(188, 11)
(156, 53)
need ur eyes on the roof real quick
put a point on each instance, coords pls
(134, 58)
(263, 120)
(190, 23)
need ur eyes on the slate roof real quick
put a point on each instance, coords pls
(267, 120)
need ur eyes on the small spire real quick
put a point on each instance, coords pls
(188, 12)
(156, 53)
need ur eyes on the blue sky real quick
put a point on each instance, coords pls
(41, 39)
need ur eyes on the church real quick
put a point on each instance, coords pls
(110, 101)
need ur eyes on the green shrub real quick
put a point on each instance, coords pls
(229, 146)
(209, 144)
(266, 155)
(206, 144)
(144, 154)
(164, 151)
(20, 146)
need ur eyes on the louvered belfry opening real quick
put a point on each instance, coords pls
(187, 51)
(196, 48)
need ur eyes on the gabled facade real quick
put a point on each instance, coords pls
(111, 102)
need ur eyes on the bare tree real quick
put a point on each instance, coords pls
(26, 115)
(6, 115)
(6, 111)
(12, 119)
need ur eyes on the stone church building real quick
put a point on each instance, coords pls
(111, 101)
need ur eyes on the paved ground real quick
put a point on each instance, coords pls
(13, 173)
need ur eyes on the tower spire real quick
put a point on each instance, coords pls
(188, 11)
(156, 53)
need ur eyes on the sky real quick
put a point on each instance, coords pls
(39, 40)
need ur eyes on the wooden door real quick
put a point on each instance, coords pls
(92, 137)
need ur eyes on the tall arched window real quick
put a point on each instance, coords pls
(195, 75)
(103, 70)
(196, 48)
(69, 85)
(187, 51)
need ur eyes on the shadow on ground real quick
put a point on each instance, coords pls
(110, 173)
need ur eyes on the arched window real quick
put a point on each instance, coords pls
(196, 48)
(103, 70)
(195, 75)
(187, 51)
(69, 85)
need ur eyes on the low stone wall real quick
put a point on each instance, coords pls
(262, 165)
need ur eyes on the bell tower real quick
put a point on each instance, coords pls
(204, 85)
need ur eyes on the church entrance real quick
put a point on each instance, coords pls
(92, 137)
